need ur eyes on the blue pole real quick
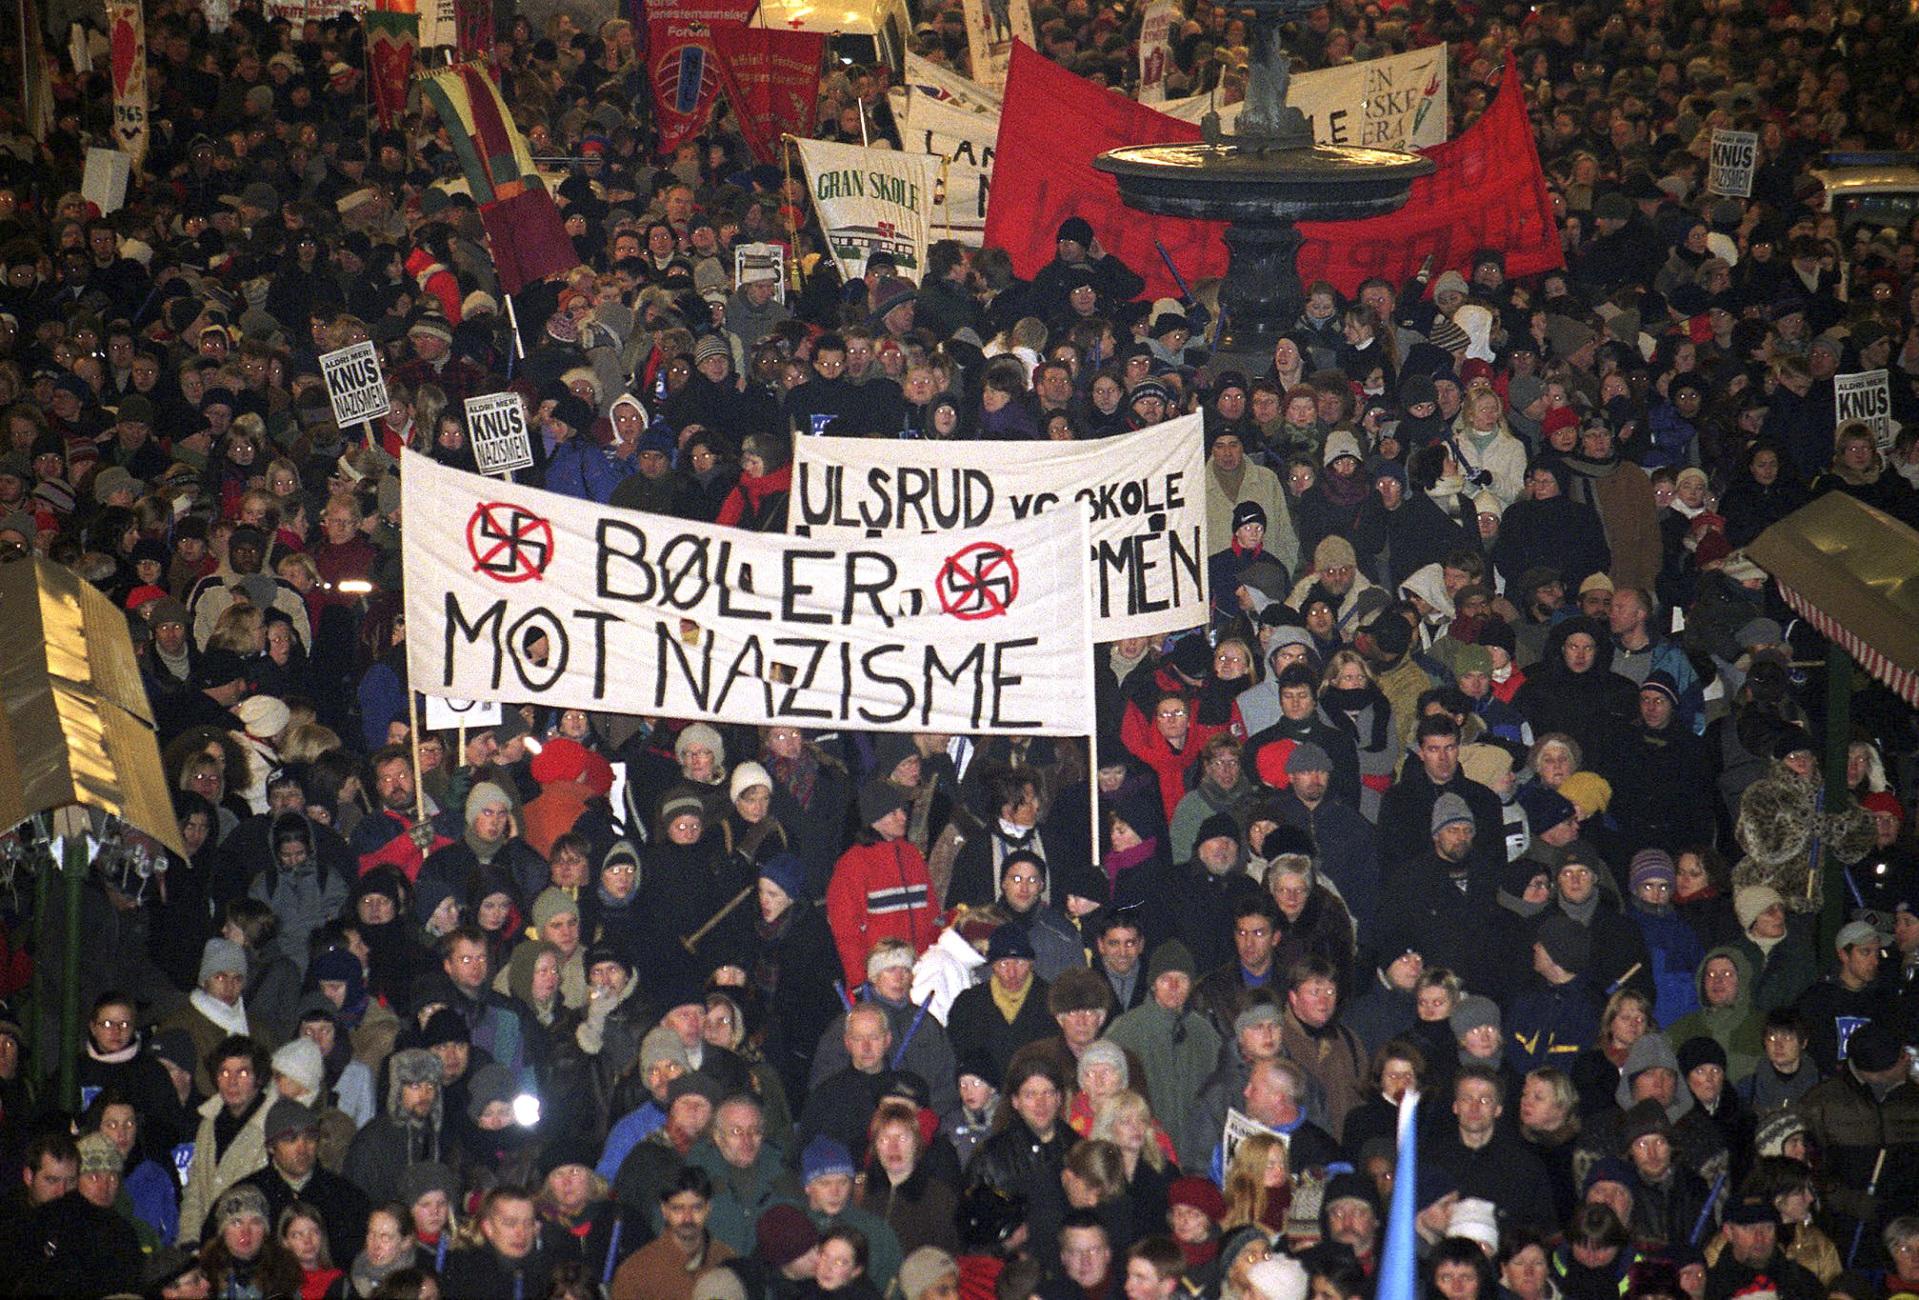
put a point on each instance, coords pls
(1399, 1261)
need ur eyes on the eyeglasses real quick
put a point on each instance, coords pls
(1171, 713)
(744, 1130)
(113, 1024)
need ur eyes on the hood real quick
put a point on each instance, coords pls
(1554, 666)
(1428, 582)
(1652, 1051)
(1742, 1004)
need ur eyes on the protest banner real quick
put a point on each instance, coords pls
(772, 79)
(992, 29)
(354, 384)
(392, 40)
(496, 426)
(1735, 156)
(1396, 102)
(963, 140)
(525, 595)
(1156, 49)
(1148, 543)
(936, 82)
(1488, 191)
(757, 257)
(1867, 398)
(870, 200)
(127, 38)
(443, 713)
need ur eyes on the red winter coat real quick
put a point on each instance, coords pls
(879, 891)
(1143, 741)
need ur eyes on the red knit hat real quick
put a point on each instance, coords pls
(1560, 417)
(1884, 801)
(1198, 1193)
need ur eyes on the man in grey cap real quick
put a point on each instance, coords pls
(1440, 910)
(1845, 997)
(1255, 1039)
(294, 1173)
(1345, 845)
(1295, 717)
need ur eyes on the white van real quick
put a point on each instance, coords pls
(1880, 189)
(857, 31)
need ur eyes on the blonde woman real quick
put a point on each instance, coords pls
(1258, 1184)
(1126, 1120)
(1350, 699)
(241, 629)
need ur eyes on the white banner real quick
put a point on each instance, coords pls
(354, 384)
(127, 38)
(439, 24)
(937, 82)
(1867, 398)
(1398, 102)
(1735, 156)
(964, 139)
(871, 199)
(447, 714)
(1156, 49)
(496, 425)
(523, 595)
(991, 28)
(1147, 544)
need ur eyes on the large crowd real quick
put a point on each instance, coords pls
(1494, 775)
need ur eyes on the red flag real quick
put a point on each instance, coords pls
(1488, 192)
(685, 67)
(473, 28)
(528, 239)
(392, 38)
(772, 79)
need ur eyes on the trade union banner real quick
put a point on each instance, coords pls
(947, 86)
(527, 595)
(1147, 545)
(772, 79)
(1398, 102)
(1488, 192)
(871, 200)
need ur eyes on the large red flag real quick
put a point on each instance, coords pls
(772, 79)
(1488, 192)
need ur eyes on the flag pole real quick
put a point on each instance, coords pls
(1399, 1259)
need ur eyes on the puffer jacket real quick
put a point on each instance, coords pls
(1852, 1128)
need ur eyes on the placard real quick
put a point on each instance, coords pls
(444, 713)
(523, 595)
(760, 257)
(1867, 398)
(991, 28)
(963, 139)
(496, 426)
(1735, 156)
(1395, 102)
(104, 181)
(1156, 49)
(1240, 1126)
(1148, 543)
(354, 383)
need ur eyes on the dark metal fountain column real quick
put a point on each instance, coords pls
(1261, 179)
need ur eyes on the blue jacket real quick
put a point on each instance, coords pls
(578, 468)
(1676, 954)
(1549, 1024)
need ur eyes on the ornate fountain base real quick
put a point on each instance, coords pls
(1261, 190)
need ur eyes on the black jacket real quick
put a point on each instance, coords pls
(975, 1024)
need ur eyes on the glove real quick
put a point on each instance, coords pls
(421, 833)
(1482, 478)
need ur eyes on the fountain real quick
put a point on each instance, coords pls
(1261, 179)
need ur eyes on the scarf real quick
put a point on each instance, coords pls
(1123, 664)
(797, 775)
(1517, 904)
(179, 666)
(120, 1057)
(1230, 480)
(229, 1019)
(1345, 493)
(1009, 1002)
(1582, 912)
(484, 850)
(1123, 860)
(367, 1276)
(1346, 704)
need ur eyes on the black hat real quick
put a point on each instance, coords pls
(218, 667)
(1566, 941)
(1391, 633)
(1219, 826)
(1750, 1211)
(878, 798)
(1248, 512)
(1009, 941)
(1077, 229)
(1873, 1047)
(1702, 1050)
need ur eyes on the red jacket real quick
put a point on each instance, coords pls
(879, 891)
(1143, 741)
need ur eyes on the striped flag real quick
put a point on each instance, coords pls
(522, 223)
(36, 80)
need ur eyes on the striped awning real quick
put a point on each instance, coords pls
(1853, 573)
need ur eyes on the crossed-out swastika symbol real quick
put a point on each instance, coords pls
(979, 581)
(508, 543)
